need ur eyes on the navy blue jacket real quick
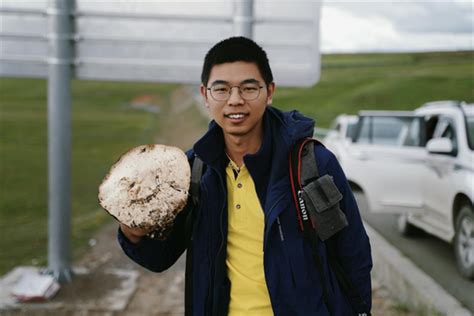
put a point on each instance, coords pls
(292, 278)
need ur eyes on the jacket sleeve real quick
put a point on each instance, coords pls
(352, 243)
(158, 255)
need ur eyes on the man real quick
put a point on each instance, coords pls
(249, 256)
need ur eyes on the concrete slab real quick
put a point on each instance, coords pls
(101, 290)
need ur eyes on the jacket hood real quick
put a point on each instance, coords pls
(294, 124)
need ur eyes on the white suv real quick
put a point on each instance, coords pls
(420, 164)
(340, 134)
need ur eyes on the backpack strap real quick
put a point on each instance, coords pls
(313, 196)
(309, 169)
(306, 224)
(196, 173)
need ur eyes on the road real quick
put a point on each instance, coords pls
(434, 256)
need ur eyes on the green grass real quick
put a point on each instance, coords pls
(350, 83)
(104, 126)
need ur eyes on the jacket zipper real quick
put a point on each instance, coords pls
(282, 238)
(268, 218)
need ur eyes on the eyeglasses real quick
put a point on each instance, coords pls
(222, 91)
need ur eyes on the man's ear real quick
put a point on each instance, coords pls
(270, 90)
(203, 91)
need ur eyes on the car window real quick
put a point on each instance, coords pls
(449, 132)
(413, 137)
(446, 129)
(392, 131)
(470, 131)
(430, 126)
(351, 127)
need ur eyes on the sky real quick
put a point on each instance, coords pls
(399, 25)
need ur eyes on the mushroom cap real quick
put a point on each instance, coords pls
(147, 187)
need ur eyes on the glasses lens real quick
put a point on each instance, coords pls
(220, 92)
(249, 91)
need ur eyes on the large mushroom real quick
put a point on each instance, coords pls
(147, 187)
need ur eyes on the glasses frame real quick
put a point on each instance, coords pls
(240, 93)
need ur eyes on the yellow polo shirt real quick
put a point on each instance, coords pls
(249, 293)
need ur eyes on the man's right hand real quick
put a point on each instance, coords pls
(134, 235)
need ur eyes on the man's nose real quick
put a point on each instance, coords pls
(235, 98)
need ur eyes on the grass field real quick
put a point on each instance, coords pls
(350, 83)
(104, 126)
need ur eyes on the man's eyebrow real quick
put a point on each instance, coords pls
(219, 82)
(250, 80)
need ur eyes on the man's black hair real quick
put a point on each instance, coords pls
(236, 49)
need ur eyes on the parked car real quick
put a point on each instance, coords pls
(420, 165)
(340, 133)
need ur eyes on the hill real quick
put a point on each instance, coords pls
(352, 82)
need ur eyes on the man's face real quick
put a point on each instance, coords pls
(237, 116)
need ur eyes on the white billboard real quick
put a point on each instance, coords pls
(160, 41)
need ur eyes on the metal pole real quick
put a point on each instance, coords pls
(59, 137)
(243, 18)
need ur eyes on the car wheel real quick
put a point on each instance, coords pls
(464, 242)
(404, 227)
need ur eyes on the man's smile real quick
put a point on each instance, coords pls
(236, 116)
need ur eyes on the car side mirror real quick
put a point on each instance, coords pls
(440, 146)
